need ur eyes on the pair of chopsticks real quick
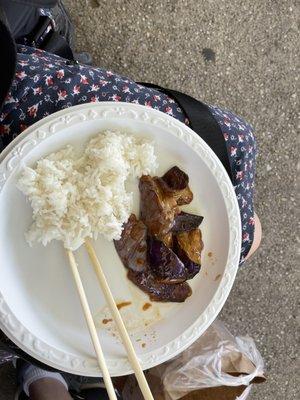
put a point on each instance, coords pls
(143, 384)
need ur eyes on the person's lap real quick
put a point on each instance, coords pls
(46, 83)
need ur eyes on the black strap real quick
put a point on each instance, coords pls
(8, 60)
(201, 121)
(57, 44)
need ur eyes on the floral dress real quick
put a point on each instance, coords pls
(45, 83)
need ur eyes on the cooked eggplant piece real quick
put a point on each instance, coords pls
(184, 196)
(167, 239)
(132, 246)
(176, 179)
(175, 182)
(157, 208)
(164, 263)
(158, 291)
(185, 222)
(188, 247)
(163, 249)
(192, 268)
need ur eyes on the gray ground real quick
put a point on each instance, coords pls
(253, 72)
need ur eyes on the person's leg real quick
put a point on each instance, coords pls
(241, 148)
(48, 389)
(40, 384)
(46, 83)
(256, 238)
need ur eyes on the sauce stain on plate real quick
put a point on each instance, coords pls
(218, 277)
(146, 306)
(137, 315)
(211, 258)
(106, 320)
(123, 304)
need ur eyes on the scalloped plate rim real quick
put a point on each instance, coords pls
(183, 341)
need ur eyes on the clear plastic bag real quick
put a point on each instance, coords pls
(213, 360)
(216, 360)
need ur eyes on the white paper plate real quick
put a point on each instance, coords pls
(39, 306)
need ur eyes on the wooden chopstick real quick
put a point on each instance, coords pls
(143, 384)
(91, 326)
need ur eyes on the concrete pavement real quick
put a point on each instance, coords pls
(241, 55)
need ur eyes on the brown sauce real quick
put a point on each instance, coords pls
(123, 304)
(106, 321)
(146, 306)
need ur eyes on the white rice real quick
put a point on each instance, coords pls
(74, 196)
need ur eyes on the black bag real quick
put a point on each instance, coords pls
(55, 34)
